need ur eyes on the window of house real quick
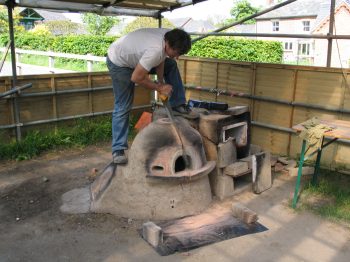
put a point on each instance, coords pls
(288, 46)
(306, 26)
(275, 26)
(304, 49)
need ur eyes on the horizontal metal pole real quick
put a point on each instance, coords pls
(241, 21)
(292, 131)
(62, 92)
(219, 92)
(317, 36)
(83, 7)
(15, 90)
(46, 121)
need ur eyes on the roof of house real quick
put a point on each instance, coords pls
(301, 8)
(243, 28)
(190, 25)
(48, 15)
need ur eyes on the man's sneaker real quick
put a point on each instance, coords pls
(185, 111)
(119, 157)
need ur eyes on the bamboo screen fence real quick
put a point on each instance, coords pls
(279, 96)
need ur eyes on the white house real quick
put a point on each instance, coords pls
(308, 17)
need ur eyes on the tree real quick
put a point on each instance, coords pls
(243, 9)
(64, 27)
(143, 22)
(99, 25)
(4, 24)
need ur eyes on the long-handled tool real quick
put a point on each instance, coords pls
(169, 111)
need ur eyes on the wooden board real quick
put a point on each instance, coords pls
(341, 128)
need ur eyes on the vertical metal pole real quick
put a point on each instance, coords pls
(317, 164)
(330, 33)
(300, 169)
(10, 6)
(160, 20)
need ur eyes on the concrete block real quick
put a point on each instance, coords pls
(243, 213)
(247, 159)
(254, 149)
(210, 126)
(224, 186)
(236, 169)
(211, 150)
(262, 178)
(152, 233)
(306, 170)
(227, 153)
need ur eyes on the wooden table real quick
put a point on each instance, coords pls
(341, 131)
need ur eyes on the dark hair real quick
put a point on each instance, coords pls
(178, 40)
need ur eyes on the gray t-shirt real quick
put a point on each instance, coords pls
(144, 46)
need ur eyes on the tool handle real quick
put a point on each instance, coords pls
(162, 97)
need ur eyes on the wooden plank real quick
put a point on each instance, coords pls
(35, 108)
(271, 113)
(319, 88)
(74, 82)
(271, 140)
(72, 104)
(341, 128)
(275, 83)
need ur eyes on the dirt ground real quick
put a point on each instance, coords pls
(33, 229)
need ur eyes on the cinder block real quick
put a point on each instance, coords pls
(224, 186)
(152, 233)
(227, 153)
(236, 169)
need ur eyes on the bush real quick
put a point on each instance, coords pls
(238, 49)
(212, 47)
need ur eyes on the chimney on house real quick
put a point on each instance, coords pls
(270, 2)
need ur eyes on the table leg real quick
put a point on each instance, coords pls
(300, 169)
(317, 164)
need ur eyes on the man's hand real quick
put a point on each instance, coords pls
(165, 89)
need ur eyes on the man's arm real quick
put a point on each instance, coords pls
(160, 73)
(140, 77)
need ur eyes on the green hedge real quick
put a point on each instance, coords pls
(82, 44)
(212, 47)
(238, 49)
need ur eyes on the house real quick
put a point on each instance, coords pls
(31, 17)
(308, 17)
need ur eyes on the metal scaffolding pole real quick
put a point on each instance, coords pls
(247, 18)
(330, 33)
(16, 111)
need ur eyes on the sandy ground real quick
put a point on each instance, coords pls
(33, 229)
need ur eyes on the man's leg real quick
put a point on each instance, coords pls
(123, 90)
(172, 77)
(177, 99)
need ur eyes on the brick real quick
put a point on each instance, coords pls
(236, 169)
(211, 150)
(152, 233)
(243, 213)
(227, 153)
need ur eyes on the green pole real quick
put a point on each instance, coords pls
(300, 169)
(317, 165)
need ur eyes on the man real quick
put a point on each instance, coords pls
(130, 60)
